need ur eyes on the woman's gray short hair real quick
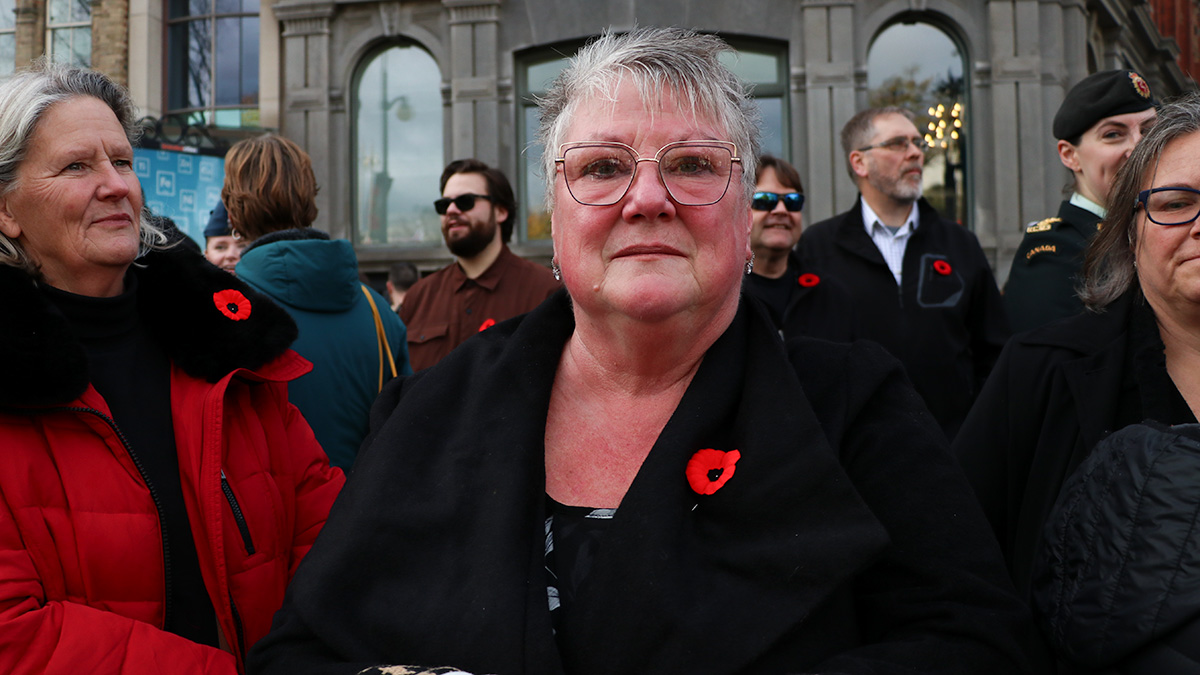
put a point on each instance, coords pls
(658, 61)
(1108, 269)
(24, 99)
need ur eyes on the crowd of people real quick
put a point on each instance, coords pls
(706, 439)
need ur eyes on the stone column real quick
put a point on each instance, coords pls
(474, 80)
(1029, 41)
(829, 83)
(30, 30)
(306, 102)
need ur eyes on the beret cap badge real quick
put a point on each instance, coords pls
(1139, 85)
(1107, 93)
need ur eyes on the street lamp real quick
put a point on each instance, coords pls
(945, 131)
(381, 184)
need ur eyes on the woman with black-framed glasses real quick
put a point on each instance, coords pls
(1098, 527)
(800, 301)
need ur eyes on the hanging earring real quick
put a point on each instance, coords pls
(555, 269)
(750, 265)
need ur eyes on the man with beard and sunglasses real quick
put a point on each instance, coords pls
(921, 284)
(798, 301)
(487, 283)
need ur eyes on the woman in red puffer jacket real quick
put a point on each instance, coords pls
(158, 491)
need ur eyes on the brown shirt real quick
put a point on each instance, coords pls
(446, 307)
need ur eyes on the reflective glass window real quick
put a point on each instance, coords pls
(212, 62)
(919, 67)
(398, 156)
(69, 31)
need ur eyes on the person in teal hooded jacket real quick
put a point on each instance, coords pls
(270, 193)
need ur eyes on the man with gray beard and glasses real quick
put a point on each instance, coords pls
(921, 285)
(487, 283)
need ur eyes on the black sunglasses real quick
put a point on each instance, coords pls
(464, 202)
(766, 201)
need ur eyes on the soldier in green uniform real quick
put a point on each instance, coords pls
(1097, 126)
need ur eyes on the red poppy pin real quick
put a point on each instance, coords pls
(942, 267)
(808, 280)
(708, 470)
(232, 304)
(487, 323)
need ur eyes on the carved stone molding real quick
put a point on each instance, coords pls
(473, 11)
(304, 19)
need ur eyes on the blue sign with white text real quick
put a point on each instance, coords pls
(182, 186)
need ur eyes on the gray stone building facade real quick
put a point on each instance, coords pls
(1019, 57)
(383, 93)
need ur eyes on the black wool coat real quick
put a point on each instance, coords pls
(846, 541)
(1047, 267)
(819, 306)
(1054, 394)
(945, 322)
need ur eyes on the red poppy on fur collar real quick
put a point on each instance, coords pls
(487, 323)
(708, 470)
(232, 304)
(942, 267)
(808, 280)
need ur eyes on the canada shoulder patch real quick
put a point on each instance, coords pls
(1044, 248)
(1043, 225)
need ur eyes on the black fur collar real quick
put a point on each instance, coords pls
(45, 364)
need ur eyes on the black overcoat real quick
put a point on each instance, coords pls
(819, 305)
(945, 322)
(846, 541)
(1055, 393)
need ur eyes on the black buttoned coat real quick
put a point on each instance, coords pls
(819, 306)
(1055, 392)
(846, 541)
(945, 321)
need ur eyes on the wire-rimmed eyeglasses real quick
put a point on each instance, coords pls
(1170, 205)
(897, 144)
(695, 173)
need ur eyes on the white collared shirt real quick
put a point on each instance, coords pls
(1088, 205)
(891, 245)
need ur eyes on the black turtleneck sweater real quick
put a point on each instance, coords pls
(133, 374)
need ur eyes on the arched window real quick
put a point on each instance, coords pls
(398, 148)
(919, 67)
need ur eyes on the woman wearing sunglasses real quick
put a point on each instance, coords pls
(1098, 528)
(799, 301)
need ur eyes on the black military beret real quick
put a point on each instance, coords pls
(1100, 95)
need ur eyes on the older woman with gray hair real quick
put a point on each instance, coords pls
(639, 476)
(1098, 526)
(158, 491)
